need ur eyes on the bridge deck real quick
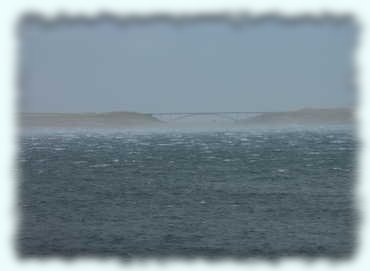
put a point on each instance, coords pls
(210, 113)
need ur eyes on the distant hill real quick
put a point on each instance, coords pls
(86, 120)
(306, 116)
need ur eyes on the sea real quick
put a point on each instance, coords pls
(265, 193)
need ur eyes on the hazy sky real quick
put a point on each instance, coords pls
(161, 66)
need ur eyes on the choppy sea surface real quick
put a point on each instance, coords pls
(222, 193)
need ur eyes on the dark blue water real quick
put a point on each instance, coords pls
(218, 193)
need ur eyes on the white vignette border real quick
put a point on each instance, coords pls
(10, 14)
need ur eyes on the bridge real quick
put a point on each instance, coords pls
(209, 116)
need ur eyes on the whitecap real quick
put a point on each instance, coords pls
(100, 165)
(144, 143)
(59, 149)
(104, 147)
(337, 141)
(38, 148)
(79, 162)
(281, 170)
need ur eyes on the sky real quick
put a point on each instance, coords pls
(165, 65)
